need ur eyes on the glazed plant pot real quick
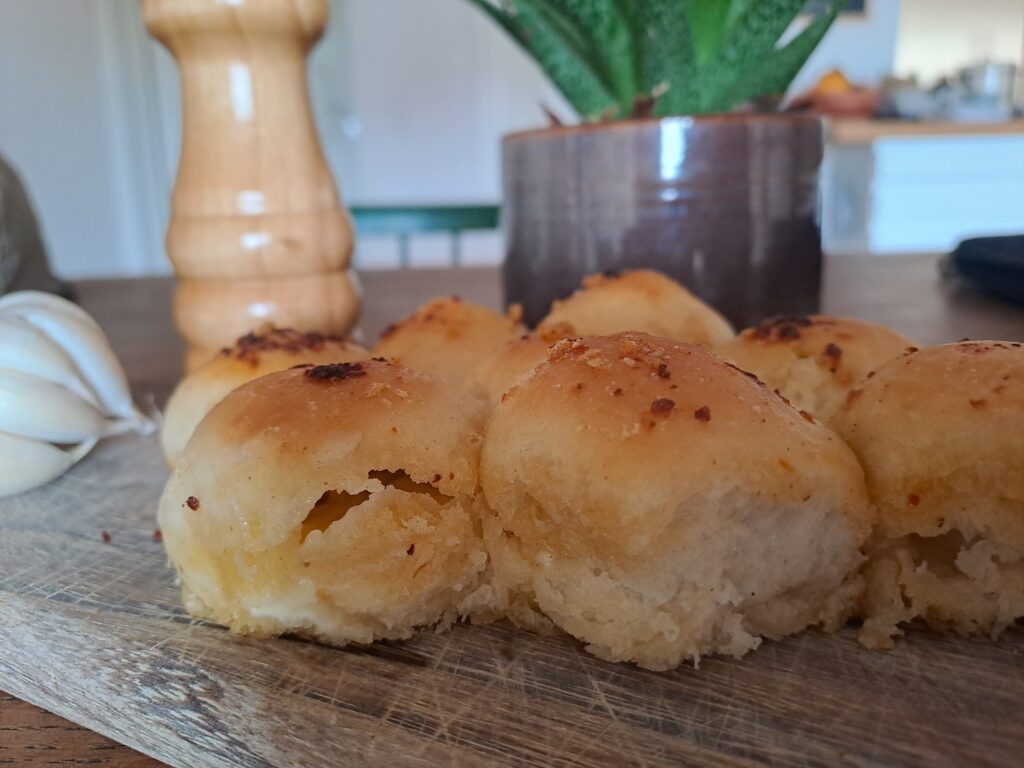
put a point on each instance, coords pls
(727, 205)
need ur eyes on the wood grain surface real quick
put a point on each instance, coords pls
(94, 631)
(853, 130)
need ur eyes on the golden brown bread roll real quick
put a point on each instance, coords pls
(496, 374)
(449, 338)
(660, 504)
(639, 300)
(252, 356)
(940, 433)
(332, 502)
(813, 360)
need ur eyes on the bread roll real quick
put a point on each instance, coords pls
(333, 502)
(659, 504)
(639, 300)
(449, 338)
(495, 375)
(940, 433)
(814, 360)
(252, 356)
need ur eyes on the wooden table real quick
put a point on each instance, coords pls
(853, 130)
(904, 292)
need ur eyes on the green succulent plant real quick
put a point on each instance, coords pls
(615, 59)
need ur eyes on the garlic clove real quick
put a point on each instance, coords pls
(25, 348)
(34, 408)
(26, 463)
(22, 301)
(85, 344)
(59, 383)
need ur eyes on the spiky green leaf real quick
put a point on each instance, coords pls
(560, 52)
(774, 77)
(666, 61)
(746, 48)
(615, 58)
(757, 30)
(736, 9)
(607, 30)
(708, 21)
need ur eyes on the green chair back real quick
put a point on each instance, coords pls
(403, 222)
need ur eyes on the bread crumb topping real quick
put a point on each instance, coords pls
(565, 348)
(335, 372)
(663, 406)
(379, 387)
(248, 348)
(782, 327)
(832, 354)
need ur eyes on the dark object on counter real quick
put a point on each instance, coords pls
(994, 265)
(23, 262)
(727, 204)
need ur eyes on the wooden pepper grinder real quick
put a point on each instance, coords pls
(258, 233)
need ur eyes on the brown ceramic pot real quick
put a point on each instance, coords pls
(728, 205)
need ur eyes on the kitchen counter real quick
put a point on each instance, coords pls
(897, 187)
(859, 131)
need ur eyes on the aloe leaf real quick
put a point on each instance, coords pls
(708, 21)
(562, 57)
(736, 9)
(606, 27)
(774, 78)
(666, 60)
(574, 36)
(757, 30)
(748, 43)
(615, 58)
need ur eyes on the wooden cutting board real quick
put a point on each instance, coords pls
(95, 632)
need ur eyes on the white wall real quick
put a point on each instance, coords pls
(937, 37)
(57, 128)
(432, 84)
(412, 106)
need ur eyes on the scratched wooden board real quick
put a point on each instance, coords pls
(94, 632)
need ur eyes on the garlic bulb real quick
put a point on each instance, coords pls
(61, 389)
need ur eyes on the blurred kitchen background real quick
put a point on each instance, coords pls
(411, 97)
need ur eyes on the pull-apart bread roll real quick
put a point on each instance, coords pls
(333, 502)
(815, 360)
(498, 373)
(940, 433)
(252, 356)
(449, 338)
(639, 300)
(660, 504)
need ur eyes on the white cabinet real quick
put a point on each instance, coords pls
(924, 193)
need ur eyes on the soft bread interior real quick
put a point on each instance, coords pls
(363, 564)
(332, 506)
(959, 579)
(758, 569)
(811, 386)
